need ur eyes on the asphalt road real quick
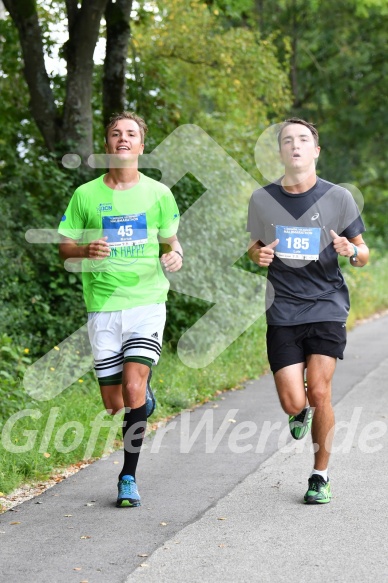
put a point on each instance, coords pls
(222, 489)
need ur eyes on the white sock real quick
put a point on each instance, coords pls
(322, 473)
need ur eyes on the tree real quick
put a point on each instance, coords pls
(338, 75)
(193, 66)
(70, 125)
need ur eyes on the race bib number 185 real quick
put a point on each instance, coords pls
(298, 242)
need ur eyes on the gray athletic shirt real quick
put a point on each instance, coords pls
(304, 281)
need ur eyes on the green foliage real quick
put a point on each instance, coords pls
(224, 79)
(338, 75)
(189, 68)
(66, 429)
(367, 287)
(184, 311)
(13, 363)
(230, 67)
(45, 436)
(40, 303)
(193, 67)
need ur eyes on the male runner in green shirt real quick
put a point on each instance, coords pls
(114, 225)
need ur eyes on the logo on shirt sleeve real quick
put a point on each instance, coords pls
(104, 207)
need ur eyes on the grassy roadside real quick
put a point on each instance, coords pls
(39, 437)
(368, 289)
(43, 436)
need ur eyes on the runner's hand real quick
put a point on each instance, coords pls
(171, 261)
(264, 256)
(97, 249)
(341, 245)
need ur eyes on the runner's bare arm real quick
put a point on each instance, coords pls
(354, 248)
(172, 259)
(69, 249)
(262, 254)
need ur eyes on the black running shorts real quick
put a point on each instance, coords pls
(288, 345)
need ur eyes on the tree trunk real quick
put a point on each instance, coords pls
(42, 105)
(84, 26)
(72, 130)
(259, 12)
(294, 55)
(118, 31)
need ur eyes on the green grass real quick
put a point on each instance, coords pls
(65, 430)
(43, 436)
(368, 288)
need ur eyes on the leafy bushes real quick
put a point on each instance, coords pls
(40, 302)
(13, 363)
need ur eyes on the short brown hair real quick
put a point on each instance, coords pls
(302, 122)
(127, 115)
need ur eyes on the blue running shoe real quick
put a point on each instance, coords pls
(150, 397)
(128, 493)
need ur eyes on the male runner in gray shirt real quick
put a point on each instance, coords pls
(299, 225)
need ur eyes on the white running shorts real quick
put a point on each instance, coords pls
(114, 336)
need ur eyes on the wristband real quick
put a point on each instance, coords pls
(179, 253)
(354, 256)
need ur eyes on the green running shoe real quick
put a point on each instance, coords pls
(300, 424)
(319, 491)
(128, 494)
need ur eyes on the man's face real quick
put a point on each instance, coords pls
(298, 151)
(124, 139)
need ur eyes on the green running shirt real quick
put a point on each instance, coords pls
(132, 219)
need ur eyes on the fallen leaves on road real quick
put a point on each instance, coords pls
(28, 491)
(163, 523)
(15, 522)
(85, 536)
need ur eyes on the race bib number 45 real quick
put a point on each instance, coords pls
(298, 242)
(125, 230)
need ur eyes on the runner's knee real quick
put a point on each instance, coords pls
(134, 393)
(292, 405)
(319, 397)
